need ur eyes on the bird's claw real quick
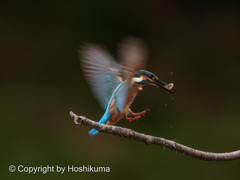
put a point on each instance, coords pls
(137, 116)
(134, 118)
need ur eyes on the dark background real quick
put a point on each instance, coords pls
(41, 81)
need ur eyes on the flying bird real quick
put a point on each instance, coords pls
(115, 85)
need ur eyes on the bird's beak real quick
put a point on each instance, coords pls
(165, 86)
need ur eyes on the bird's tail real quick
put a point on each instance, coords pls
(93, 132)
(103, 120)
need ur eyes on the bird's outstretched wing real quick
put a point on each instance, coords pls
(101, 72)
(104, 74)
(133, 56)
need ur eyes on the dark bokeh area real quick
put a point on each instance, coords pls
(194, 44)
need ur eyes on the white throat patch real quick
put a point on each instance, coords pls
(138, 79)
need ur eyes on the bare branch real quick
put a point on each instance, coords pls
(147, 139)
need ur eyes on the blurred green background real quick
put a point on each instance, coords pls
(194, 44)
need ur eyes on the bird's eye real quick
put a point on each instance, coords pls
(151, 76)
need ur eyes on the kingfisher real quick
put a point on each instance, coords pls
(115, 85)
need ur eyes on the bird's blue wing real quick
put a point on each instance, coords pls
(107, 116)
(101, 72)
(121, 97)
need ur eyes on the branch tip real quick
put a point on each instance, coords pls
(77, 119)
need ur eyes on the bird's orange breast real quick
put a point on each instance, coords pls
(131, 95)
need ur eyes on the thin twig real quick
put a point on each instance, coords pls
(148, 139)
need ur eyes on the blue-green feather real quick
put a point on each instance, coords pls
(121, 97)
(107, 116)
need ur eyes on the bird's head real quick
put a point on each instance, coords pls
(144, 77)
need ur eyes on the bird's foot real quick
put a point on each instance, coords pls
(139, 114)
(134, 118)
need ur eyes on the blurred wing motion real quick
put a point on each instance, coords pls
(133, 56)
(104, 74)
(101, 71)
